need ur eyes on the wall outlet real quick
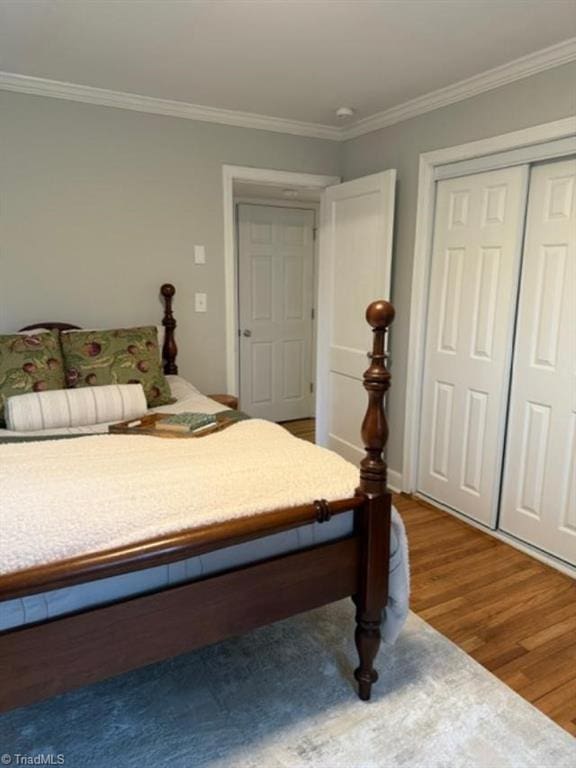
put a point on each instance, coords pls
(200, 302)
(199, 254)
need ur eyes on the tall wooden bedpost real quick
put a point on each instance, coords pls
(169, 348)
(373, 519)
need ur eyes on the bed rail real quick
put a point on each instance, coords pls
(167, 549)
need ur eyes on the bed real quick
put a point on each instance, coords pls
(281, 528)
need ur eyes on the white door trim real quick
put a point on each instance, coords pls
(428, 164)
(230, 174)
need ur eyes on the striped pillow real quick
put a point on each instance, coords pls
(75, 407)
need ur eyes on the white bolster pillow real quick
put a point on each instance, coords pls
(59, 408)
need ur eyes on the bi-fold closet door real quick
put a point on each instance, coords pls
(498, 427)
(473, 284)
(539, 486)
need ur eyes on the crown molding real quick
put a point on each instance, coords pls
(87, 94)
(547, 58)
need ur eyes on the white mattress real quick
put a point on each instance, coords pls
(60, 602)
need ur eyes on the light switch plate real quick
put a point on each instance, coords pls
(199, 254)
(200, 302)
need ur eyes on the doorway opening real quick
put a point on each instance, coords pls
(354, 243)
(276, 268)
(271, 230)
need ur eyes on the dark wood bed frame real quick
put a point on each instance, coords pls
(48, 658)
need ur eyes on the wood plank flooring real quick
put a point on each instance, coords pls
(302, 428)
(513, 614)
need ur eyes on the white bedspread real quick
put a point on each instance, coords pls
(69, 497)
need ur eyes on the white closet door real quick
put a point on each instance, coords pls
(539, 493)
(476, 252)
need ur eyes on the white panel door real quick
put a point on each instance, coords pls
(276, 286)
(355, 263)
(539, 492)
(473, 286)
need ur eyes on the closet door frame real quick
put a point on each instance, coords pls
(541, 143)
(517, 148)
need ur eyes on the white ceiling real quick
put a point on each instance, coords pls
(292, 59)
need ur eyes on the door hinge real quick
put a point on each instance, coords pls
(314, 233)
(312, 313)
(311, 387)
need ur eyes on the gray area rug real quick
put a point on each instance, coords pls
(283, 697)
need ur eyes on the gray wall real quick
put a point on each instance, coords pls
(541, 98)
(99, 206)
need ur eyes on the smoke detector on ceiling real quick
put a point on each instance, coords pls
(344, 113)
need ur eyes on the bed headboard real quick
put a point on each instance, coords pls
(169, 348)
(50, 327)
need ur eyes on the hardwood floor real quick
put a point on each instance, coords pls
(513, 614)
(302, 428)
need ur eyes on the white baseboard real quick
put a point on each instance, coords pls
(507, 538)
(395, 481)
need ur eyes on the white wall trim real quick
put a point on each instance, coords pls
(38, 86)
(394, 481)
(273, 202)
(507, 538)
(539, 61)
(230, 174)
(536, 135)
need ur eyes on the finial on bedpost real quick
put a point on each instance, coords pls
(376, 382)
(169, 348)
(373, 518)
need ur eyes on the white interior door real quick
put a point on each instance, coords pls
(276, 286)
(357, 220)
(477, 242)
(539, 491)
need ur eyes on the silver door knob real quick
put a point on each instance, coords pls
(247, 333)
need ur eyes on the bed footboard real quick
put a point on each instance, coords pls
(45, 660)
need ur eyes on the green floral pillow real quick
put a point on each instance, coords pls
(29, 363)
(123, 356)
